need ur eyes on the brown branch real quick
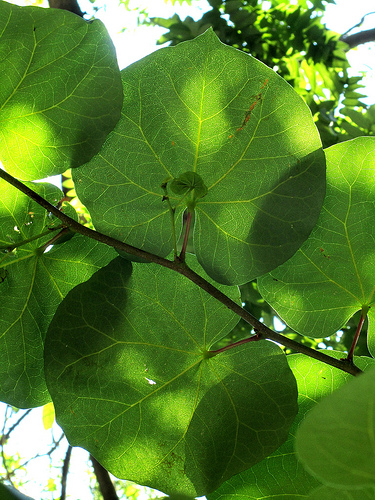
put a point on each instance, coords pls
(64, 474)
(262, 331)
(359, 38)
(106, 486)
(70, 5)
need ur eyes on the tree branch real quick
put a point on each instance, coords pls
(106, 486)
(359, 38)
(64, 474)
(262, 331)
(71, 5)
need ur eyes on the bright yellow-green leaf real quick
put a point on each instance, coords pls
(60, 90)
(48, 415)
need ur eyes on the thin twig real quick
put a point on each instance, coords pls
(56, 444)
(263, 332)
(64, 474)
(6, 436)
(358, 24)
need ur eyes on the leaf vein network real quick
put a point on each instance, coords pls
(328, 277)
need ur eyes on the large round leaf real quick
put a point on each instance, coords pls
(333, 274)
(60, 91)
(130, 379)
(207, 108)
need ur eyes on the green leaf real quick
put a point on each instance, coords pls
(131, 381)
(209, 109)
(187, 182)
(9, 493)
(335, 442)
(60, 92)
(34, 285)
(357, 117)
(48, 415)
(327, 493)
(333, 274)
(281, 475)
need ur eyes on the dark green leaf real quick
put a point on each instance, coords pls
(207, 108)
(9, 493)
(281, 475)
(60, 92)
(327, 493)
(131, 382)
(333, 274)
(336, 440)
(34, 284)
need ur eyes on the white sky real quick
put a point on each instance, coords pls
(132, 45)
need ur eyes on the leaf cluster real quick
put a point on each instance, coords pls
(204, 169)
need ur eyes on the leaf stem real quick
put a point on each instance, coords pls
(357, 333)
(254, 338)
(186, 237)
(53, 240)
(172, 213)
(28, 240)
(263, 332)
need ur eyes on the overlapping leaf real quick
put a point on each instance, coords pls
(206, 108)
(32, 286)
(336, 440)
(281, 475)
(60, 90)
(328, 493)
(131, 381)
(333, 274)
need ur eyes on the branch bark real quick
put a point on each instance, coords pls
(71, 5)
(65, 470)
(262, 331)
(106, 486)
(359, 38)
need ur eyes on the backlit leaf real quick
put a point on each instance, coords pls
(333, 274)
(328, 493)
(33, 285)
(48, 415)
(335, 442)
(60, 90)
(207, 108)
(131, 382)
(281, 475)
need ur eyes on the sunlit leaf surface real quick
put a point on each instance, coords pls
(207, 108)
(60, 91)
(127, 369)
(333, 274)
